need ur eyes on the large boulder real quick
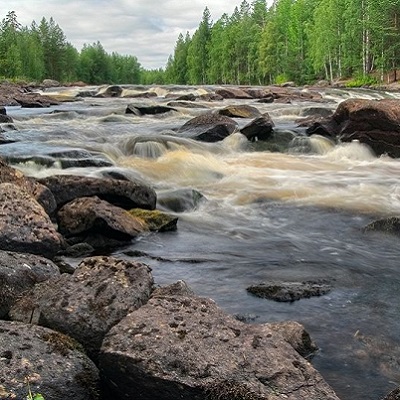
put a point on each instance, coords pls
(86, 304)
(20, 272)
(375, 123)
(208, 127)
(45, 362)
(240, 111)
(4, 118)
(261, 128)
(185, 347)
(232, 93)
(144, 109)
(122, 193)
(24, 224)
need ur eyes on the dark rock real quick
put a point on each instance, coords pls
(144, 109)
(180, 200)
(86, 304)
(185, 104)
(240, 111)
(233, 93)
(53, 364)
(125, 194)
(208, 127)
(185, 347)
(393, 395)
(109, 91)
(278, 141)
(389, 225)
(24, 224)
(90, 214)
(4, 118)
(78, 250)
(290, 291)
(180, 288)
(210, 97)
(260, 128)
(20, 272)
(155, 220)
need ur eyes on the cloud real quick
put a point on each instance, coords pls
(147, 29)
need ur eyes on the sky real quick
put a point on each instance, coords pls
(147, 29)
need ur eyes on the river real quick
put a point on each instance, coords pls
(268, 216)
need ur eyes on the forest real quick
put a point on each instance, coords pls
(289, 40)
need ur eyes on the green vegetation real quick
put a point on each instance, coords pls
(291, 40)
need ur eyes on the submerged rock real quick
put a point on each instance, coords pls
(46, 362)
(180, 200)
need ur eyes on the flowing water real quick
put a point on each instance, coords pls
(268, 216)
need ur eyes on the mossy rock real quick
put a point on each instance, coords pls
(156, 220)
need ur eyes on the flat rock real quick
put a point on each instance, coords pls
(290, 291)
(86, 304)
(185, 347)
(24, 224)
(121, 193)
(20, 272)
(53, 364)
(232, 93)
(240, 111)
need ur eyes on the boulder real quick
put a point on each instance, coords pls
(155, 220)
(109, 91)
(180, 200)
(389, 225)
(4, 118)
(393, 395)
(260, 128)
(45, 362)
(240, 111)
(86, 304)
(144, 109)
(185, 104)
(289, 291)
(20, 272)
(48, 83)
(232, 93)
(208, 127)
(257, 93)
(88, 215)
(278, 141)
(185, 347)
(122, 193)
(24, 224)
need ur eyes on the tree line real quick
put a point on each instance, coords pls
(291, 40)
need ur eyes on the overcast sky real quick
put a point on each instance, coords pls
(147, 29)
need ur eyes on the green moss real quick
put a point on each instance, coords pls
(156, 220)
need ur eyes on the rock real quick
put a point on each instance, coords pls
(278, 141)
(121, 193)
(240, 111)
(256, 93)
(24, 224)
(290, 291)
(260, 128)
(389, 225)
(232, 93)
(208, 127)
(109, 91)
(144, 95)
(40, 192)
(180, 288)
(48, 83)
(144, 109)
(210, 97)
(20, 272)
(53, 364)
(180, 200)
(316, 112)
(155, 220)
(185, 347)
(4, 118)
(87, 215)
(393, 395)
(185, 104)
(85, 305)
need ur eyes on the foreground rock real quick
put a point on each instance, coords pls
(290, 291)
(208, 127)
(389, 225)
(155, 220)
(185, 347)
(24, 224)
(375, 123)
(101, 292)
(52, 363)
(121, 193)
(261, 128)
(20, 272)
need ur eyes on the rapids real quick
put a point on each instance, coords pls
(268, 216)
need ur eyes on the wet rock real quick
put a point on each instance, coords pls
(53, 364)
(232, 93)
(240, 111)
(389, 225)
(48, 83)
(256, 93)
(24, 224)
(290, 291)
(4, 118)
(185, 104)
(187, 347)
(85, 305)
(278, 141)
(316, 112)
(208, 127)
(143, 95)
(180, 200)
(109, 91)
(125, 194)
(144, 109)
(87, 215)
(155, 220)
(260, 128)
(393, 395)
(20, 272)
(40, 192)
(210, 97)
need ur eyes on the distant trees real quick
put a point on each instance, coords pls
(42, 51)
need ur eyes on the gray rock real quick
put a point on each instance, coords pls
(53, 364)
(180, 200)
(20, 272)
(185, 347)
(86, 304)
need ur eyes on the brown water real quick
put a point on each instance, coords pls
(268, 216)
